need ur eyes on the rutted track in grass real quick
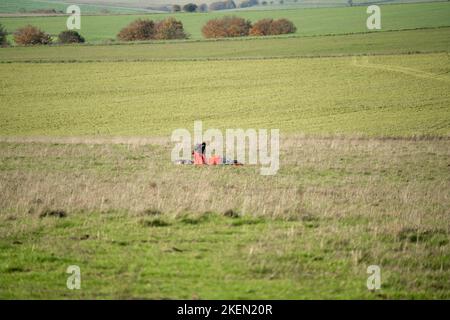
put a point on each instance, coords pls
(363, 62)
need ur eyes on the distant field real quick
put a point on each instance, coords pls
(395, 42)
(308, 21)
(127, 6)
(14, 6)
(324, 96)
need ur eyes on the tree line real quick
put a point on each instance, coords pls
(166, 29)
(31, 35)
(214, 6)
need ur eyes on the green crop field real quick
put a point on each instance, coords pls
(86, 176)
(335, 95)
(127, 6)
(395, 42)
(308, 21)
(23, 6)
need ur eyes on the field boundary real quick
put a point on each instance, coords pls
(161, 140)
(62, 61)
(247, 38)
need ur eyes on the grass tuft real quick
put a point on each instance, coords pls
(230, 213)
(53, 213)
(157, 222)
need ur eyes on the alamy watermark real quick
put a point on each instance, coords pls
(74, 280)
(374, 20)
(374, 280)
(262, 148)
(74, 20)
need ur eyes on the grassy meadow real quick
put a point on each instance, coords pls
(86, 177)
(139, 228)
(340, 95)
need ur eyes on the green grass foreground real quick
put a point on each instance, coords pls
(141, 227)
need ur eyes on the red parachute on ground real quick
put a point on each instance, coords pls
(200, 159)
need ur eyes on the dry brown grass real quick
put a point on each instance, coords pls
(405, 180)
(336, 206)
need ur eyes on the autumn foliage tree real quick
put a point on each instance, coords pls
(140, 29)
(282, 26)
(261, 27)
(169, 28)
(228, 26)
(268, 27)
(30, 35)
